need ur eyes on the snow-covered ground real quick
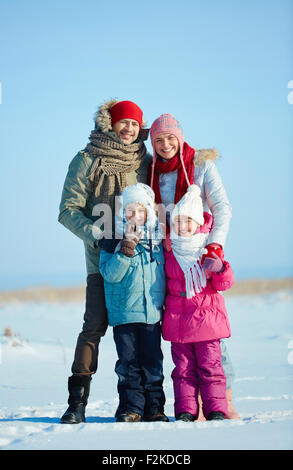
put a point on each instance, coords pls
(35, 365)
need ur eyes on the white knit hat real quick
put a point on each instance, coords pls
(190, 205)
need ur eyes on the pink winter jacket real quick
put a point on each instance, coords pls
(202, 318)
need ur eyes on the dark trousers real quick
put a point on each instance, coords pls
(94, 326)
(139, 368)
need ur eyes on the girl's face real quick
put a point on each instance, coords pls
(166, 145)
(184, 226)
(136, 214)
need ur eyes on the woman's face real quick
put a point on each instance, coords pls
(127, 130)
(166, 145)
(184, 226)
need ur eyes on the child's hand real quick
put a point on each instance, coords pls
(133, 234)
(214, 264)
(132, 237)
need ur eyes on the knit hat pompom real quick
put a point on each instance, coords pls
(194, 189)
(190, 205)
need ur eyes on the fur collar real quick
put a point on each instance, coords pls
(205, 154)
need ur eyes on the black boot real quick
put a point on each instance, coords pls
(185, 416)
(79, 389)
(215, 415)
(157, 417)
(128, 417)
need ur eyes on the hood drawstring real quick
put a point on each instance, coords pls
(151, 251)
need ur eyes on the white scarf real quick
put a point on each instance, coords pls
(188, 252)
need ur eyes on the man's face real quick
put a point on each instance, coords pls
(127, 130)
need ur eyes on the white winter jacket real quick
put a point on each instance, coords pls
(213, 193)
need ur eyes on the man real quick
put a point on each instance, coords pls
(114, 158)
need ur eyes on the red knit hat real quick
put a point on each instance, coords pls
(126, 110)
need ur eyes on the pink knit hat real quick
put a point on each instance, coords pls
(167, 124)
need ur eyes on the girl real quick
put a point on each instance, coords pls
(195, 318)
(134, 280)
(174, 167)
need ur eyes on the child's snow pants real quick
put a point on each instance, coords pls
(198, 368)
(139, 368)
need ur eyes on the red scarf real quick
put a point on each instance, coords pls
(172, 165)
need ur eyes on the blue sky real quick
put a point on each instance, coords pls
(222, 68)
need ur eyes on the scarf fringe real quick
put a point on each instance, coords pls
(195, 280)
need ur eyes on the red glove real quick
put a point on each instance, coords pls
(214, 264)
(213, 248)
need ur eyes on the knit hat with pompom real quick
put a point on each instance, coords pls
(190, 205)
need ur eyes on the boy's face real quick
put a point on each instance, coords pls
(166, 145)
(184, 226)
(127, 130)
(136, 214)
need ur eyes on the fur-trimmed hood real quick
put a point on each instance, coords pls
(202, 155)
(103, 121)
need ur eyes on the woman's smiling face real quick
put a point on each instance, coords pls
(166, 145)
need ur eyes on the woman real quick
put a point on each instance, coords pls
(176, 166)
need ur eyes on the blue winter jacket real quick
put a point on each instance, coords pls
(134, 287)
